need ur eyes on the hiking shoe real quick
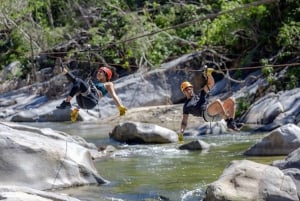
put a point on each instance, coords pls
(231, 124)
(239, 125)
(64, 105)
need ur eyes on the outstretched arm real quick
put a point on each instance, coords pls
(210, 81)
(184, 122)
(111, 90)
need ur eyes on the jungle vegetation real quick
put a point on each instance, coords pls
(140, 34)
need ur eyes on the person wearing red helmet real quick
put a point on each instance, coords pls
(88, 94)
(198, 105)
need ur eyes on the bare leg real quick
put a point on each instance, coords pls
(217, 108)
(229, 107)
(226, 110)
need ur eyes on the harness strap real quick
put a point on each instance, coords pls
(203, 113)
(92, 89)
(87, 92)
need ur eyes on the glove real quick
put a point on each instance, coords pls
(180, 137)
(122, 110)
(74, 115)
(209, 71)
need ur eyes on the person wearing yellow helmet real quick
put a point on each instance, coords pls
(198, 105)
(88, 94)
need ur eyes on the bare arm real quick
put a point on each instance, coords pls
(111, 90)
(210, 83)
(184, 122)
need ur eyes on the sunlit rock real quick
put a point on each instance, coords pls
(281, 141)
(137, 132)
(291, 166)
(274, 110)
(246, 180)
(28, 194)
(44, 158)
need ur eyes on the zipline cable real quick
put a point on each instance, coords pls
(208, 16)
(225, 72)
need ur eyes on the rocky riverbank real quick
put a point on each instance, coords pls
(154, 98)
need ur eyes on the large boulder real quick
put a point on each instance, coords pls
(45, 159)
(281, 141)
(246, 180)
(141, 133)
(291, 161)
(291, 166)
(274, 110)
(17, 193)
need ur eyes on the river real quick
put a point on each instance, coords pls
(159, 171)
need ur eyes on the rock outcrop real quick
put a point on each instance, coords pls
(141, 133)
(246, 180)
(45, 159)
(280, 141)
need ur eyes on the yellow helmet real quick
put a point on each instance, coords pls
(184, 85)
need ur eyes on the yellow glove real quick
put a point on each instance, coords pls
(209, 71)
(180, 137)
(74, 115)
(122, 110)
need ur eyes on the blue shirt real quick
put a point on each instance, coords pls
(100, 86)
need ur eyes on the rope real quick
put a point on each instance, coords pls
(226, 75)
(61, 164)
(209, 16)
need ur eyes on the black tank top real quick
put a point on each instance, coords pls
(196, 105)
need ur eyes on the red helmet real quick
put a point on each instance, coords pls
(107, 72)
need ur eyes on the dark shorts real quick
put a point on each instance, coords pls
(85, 98)
(87, 102)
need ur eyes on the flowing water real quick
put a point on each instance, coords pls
(160, 171)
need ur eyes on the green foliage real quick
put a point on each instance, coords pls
(267, 71)
(236, 31)
(122, 30)
(293, 78)
(289, 35)
(14, 50)
(243, 104)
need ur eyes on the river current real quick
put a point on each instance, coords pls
(160, 171)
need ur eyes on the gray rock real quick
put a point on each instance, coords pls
(44, 158)
(246, 180)
(275, 110)
(294, 173)
(137, 132)
(291, 167)
(195, 145)
(291, 161)
(17, 193)
(281, 141)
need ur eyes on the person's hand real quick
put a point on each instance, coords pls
(122, 110)
(209, 71)
(180, 136)
(74, 114)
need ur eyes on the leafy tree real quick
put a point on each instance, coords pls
(143, 34)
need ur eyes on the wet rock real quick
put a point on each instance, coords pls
(140, 133)
(195, 145)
